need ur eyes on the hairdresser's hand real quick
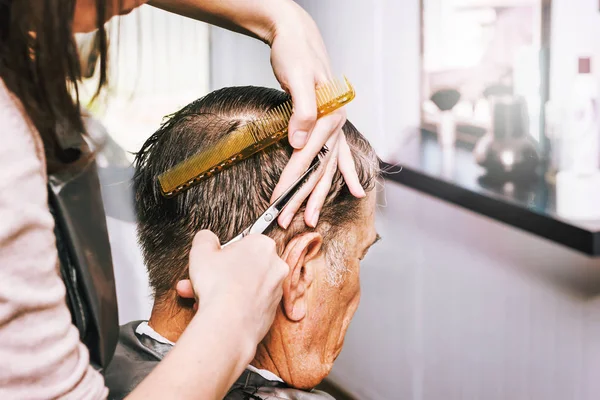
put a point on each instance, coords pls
(300, 63)
(244, 281)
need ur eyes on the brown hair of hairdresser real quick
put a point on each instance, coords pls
(39, 63)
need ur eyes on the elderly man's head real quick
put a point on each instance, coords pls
(322, 290)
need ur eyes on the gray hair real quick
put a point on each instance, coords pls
(229, 201)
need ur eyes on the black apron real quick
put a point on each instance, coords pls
(75, 201)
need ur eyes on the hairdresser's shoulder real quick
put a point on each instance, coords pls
(18, 136)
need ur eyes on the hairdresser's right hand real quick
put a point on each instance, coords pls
(243, 281)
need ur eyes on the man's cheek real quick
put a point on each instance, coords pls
(352, 295)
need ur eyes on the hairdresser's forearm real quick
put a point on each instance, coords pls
(205, 362)
(256, 18)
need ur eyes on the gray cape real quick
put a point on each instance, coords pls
(137, 355)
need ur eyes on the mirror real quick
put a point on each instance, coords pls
(473, 50)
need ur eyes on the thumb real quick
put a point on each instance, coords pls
(185, 289)
(304, 116)
(205, 242)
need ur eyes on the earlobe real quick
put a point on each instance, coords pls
(298, 254)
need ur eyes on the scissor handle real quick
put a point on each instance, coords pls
(259, 226)
(270, 215)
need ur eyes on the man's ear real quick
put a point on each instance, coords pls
(297, 254)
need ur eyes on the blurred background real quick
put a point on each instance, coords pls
(485, 112)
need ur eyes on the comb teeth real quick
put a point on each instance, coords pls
(334, 90)
(249, 139)
(273, 121)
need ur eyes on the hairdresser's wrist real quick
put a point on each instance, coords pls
(232, 327)
(286, 16)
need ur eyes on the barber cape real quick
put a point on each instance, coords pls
(138, 353)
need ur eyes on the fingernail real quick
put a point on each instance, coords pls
(314, 219)
(286, 220)
(298, 139)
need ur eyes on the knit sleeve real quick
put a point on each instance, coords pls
(40, 352)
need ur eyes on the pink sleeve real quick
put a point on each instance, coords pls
(41, 356)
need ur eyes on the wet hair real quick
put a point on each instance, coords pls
(231, 200)
(39, 63)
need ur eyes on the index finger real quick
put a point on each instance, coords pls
(301, 159)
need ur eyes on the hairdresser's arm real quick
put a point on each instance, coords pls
(254, 18)
(238, 298)
(210, 355)
(300, 62)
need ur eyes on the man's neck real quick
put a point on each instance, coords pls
(170, 320)
(269, 355)
(264, 360)
(281, 353)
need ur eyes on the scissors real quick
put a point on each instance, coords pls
(270, 215)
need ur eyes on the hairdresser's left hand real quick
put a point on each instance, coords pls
(300, 63)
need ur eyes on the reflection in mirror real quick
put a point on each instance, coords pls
(473, 51)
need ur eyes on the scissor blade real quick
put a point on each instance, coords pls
(270, 215)
(289, 194)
